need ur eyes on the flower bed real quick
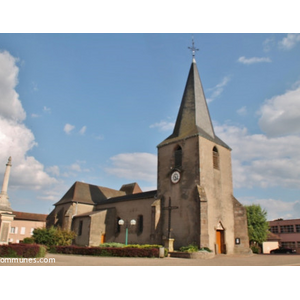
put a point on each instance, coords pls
(104, 251)
(22, 250)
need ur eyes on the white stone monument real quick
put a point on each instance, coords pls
(6, 214)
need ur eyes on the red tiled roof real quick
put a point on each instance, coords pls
(29, 216)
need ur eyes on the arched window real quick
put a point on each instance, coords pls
(140, 224)
(178, 157)
(216, 159)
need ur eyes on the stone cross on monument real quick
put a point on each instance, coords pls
(169, 241)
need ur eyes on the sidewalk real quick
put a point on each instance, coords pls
(219, 260)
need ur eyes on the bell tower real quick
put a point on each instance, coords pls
(194, 172)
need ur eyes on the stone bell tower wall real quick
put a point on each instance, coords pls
(216, 180)
(185, 220)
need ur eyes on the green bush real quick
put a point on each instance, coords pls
(42, 251)
(112, 245)
(28, 240)
(53, 236)
(190, 248)
(146, 246)
(102, 251)
(255, 249)
(205, 249)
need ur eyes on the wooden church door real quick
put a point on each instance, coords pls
(220, 241)
(102, 241)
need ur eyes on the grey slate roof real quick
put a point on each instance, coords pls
(193, 118)
(89, 194)
(92, 194)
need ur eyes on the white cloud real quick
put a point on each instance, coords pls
(99, 137)
(268, 44)
(134, 166)
(68, 128)
(218, 89)
(75, 168)
(276, 208)
(15, 138)
(259, 161)
(163, 126)
(47, 109)
(82, 130)
(34, 86)
(253, 60)
(54, 170)
(242, 111)
(280, 115)
(10, 105)
(289, 41)
(35, 116)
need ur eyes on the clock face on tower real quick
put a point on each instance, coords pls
(175, 177)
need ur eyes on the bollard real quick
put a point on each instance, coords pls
(161, 252)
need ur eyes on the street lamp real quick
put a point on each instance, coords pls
(122, 222)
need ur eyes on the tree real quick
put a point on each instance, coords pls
(258, 225)
(53, 236)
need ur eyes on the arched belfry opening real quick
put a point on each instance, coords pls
(178, 157)
(216, 158)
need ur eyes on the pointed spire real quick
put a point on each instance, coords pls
(193, 116)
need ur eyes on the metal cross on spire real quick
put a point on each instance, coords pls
(193, 49)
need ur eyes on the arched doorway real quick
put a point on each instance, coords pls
(220, 239)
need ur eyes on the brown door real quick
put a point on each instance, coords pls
(220, 241)
(102, 241)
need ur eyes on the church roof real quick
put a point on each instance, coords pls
(89, 194)
(131, 188)
(138, 196)
(193, 118)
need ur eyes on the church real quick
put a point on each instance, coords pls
(193, 203)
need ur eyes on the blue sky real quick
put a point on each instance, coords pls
(93, 108)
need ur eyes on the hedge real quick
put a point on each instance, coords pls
(22, 250)
(103, 251)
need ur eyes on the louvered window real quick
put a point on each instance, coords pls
(178, 157)
(216, 159)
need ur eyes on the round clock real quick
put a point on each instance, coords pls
(175, 177)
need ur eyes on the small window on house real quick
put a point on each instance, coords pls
(288, 245)
(287, 228)
(274, 229)
(216, 162)
(140, 223)
(80, 228)
(13, 230)
(178, 157)
(22, 230)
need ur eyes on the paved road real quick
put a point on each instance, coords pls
(219, 260)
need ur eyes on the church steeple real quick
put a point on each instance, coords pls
(193, 116)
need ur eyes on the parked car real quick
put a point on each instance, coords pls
(283, 251)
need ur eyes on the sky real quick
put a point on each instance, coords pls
(92, 107)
